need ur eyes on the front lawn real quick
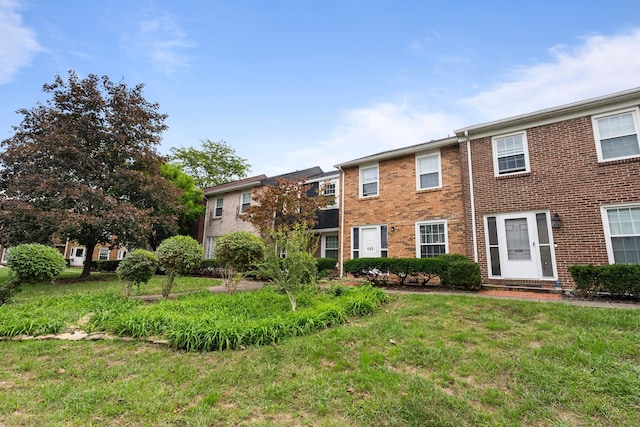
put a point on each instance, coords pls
(420, 360)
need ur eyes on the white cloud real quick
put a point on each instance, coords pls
(18, 43)
(163, 41)
(599, 66)
(381, 127)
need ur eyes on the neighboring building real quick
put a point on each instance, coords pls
(76, 254)
(226, 204)
(553, 188)
(404, 203)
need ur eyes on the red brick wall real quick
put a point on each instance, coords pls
(400, 205)
(565, 178)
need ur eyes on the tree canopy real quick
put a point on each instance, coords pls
(214, 164)
(84, 166)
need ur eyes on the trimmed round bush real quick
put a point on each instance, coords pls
(137, 268)
(240, 250)
(33, 262)
(178, 255)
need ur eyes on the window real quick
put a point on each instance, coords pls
(622, 228)
(329, 189)
(217, 212)
(369, 242)
(104, 254)
(122, 253)
(4, 255)
(245, 201)
(428, 171)
(369, 181)
(431, 238)
(510, 154)
(617, 135)
(330, 246)
(210, 249)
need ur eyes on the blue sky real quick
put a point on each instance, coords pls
(294, 84)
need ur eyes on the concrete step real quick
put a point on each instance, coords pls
(551, 289)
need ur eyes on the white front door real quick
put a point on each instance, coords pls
(77, 256)
(370, 242)
(520, 246)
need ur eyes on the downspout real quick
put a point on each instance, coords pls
(341, 233)
(472, 200)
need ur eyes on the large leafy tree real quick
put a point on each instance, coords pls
(83, 165)
(213, 164)
(191, 199)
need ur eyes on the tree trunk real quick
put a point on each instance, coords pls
(86, 269)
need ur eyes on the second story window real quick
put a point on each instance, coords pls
(510, 154)
(428, 171)
(245, 201)
(369, 181)
(217, 213)
(617, 135)
(329, 190)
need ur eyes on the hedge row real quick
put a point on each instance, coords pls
(454, 270)
(619, 280)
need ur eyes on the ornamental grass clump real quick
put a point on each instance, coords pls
(178, 255)
(136, 269)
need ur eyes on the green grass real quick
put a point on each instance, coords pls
(68, 283)
(421, 360)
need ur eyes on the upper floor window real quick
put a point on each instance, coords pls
(622, 229)
(428, 171)
(369, 181)
(329, 189)
(510, 154)
(217, 213)
(617, 135)
(245, 201)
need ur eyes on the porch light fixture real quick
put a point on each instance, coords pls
(555, 221)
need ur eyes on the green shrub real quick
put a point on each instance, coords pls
(326, 264)
(137, 268)
(464, 274)
(30, 263)
(107, 266)
(619, 280)
(238, 252)
(208, 267)
(178, 255)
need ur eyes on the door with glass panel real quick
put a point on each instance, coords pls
(520, 246)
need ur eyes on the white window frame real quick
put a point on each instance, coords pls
(108, 252)
(122, 253)
(242, 204)
(419, 172)
(362, 183)
(525, 148)
(335, 194)
(607, 229)
(216, 207)
(635, 113)
(324, 245)
(4, 255)
(433, 222)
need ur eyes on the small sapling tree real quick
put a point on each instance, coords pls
(238, 252)
(298, 268)
(178, 255)
(137, 268)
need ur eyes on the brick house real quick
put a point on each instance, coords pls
(553, 188)
(226, 203)
(403, 203)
